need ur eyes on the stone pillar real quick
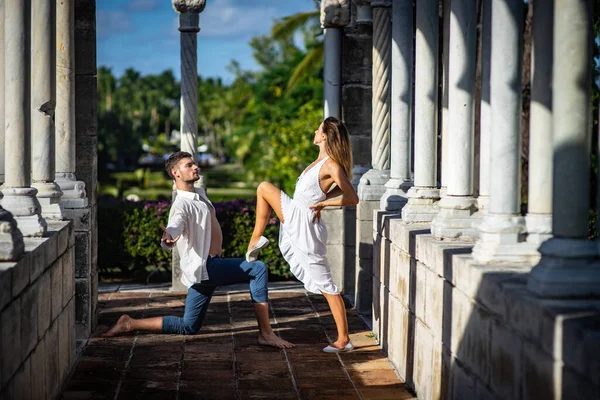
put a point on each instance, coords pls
(42, 110)
(502, 229)
(422, 197)
(19, 196)
(395, 196)
(189, 19)
(357, 53)
(456, 208)
(445, 85)
(74, 195)
(11, 239)
(372, 184)
(86, 164)
(1, 97)
(335, 14)
(570, 266)
(539, 196)
(485, 110)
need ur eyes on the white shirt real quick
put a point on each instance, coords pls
(190, 217)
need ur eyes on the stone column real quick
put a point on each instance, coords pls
(485, 111)
(570, 266)
(539, 195)
(19, 196)
(335, 14)
(456, 208)
(11, 239)
(42, 109)
(445, 85)
(422, 197)
(357, 53)
(189, 20)
(1, 97)
(502, 229)
(372, 184)
(395, 196)
(74, 195)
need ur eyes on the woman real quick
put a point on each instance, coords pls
(303, 235)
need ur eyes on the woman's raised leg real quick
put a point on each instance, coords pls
(268, 197)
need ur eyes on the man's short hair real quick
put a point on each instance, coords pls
(174, 159)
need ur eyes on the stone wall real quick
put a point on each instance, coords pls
(457, 330)
(37, 316)
(86, 124)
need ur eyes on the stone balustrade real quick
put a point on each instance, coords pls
(37, 316)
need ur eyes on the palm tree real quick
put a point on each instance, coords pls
(288, 26)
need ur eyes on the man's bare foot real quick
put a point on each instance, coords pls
(274, 341)
(123, 325)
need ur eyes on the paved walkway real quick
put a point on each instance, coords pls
(224, 361)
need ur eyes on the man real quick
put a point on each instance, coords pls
(193, 227)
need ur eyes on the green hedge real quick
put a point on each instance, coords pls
(129, 237)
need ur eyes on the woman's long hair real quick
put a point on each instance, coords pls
(338, 145)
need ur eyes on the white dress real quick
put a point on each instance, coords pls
(302, 241)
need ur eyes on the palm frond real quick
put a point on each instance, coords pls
(287, 26)
(311, 61)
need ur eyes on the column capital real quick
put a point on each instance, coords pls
(189, 6)
(335, 13)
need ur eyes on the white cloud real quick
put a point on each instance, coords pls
(112, 22)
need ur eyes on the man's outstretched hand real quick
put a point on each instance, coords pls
(167, 239)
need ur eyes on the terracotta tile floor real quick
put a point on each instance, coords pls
(224, 361)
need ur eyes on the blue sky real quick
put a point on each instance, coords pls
(143, 33)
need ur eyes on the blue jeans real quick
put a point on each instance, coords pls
(221, 272)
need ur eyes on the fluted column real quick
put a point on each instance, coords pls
(570, 265)
(502, 230)
(395, 196)
(422, 197)
(19, 196)
(74, 195)
(42, 109)
(335, 14)
(539, 195)
(456, 208)
(372, 183)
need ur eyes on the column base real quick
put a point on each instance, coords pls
(372, 184)
(74, 195)
(456, 219)
(568, 268)
(482, 204)
(539, 228)
(26, 210)
(395, 196)
(11, 238)
(422, 204)
(502, 239)
(49, 195)
(357, 173)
